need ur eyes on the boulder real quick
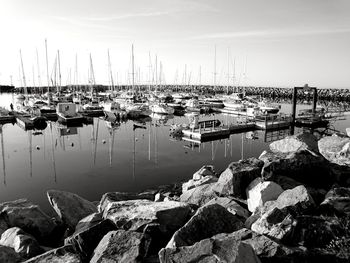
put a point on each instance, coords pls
(295, 143)
(236, 178)
(335, 149)
(3, 224)
(277, 218)
(337, 202)
(231, 205)
(195, 183)
(70, 207)
(199, 195)
(206, 170)
(302, 166)
(121, 246)
(347, 130)
(86, 240)
(29, 217)
(259, 192)
(88, 222)
(219, 248)
(65, 254)
(9, 255)
(208, 221)
(111, 197)
(23, 244)
(135, 214)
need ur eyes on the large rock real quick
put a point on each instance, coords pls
(88, 222)
(219, 248)
(65, 254)
(337, 202)
(25, 245)
(111, 197)
(29, 217)
(259, 192)
(9, 255)
(238, 175)
(121, 246)
(302, 141)
(135, 214)
(277, 218)
(70, 207)
(302, 166)
(208, 221)
(206, 170)
(335, 149)
(86, 240)
(231, 205)
(199, 195)
(195, 183)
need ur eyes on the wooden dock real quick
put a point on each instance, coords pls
(206, 131)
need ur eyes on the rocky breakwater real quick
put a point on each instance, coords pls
(292, 204)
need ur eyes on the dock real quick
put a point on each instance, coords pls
(207, 131)
(6, 116)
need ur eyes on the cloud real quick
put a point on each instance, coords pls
(127, 16)
(271, 33)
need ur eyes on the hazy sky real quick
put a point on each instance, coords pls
(271, 42)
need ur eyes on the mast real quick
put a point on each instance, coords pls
(92, 76)
(110, 72)
(38, 67)
(23, 75)
(3, 153)
(228, 69)
(214, 67)
(47, 73)
(132, 68)
(59, 71)
(149, 72)
(156, 78)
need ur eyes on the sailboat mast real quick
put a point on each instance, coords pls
(228, 69)
(156, 74)
(59, 71)
(149, 71)
(92, 75)
(132, 68)
(38, 67)
(214, 66)
(23, 75)
(110, 72)
(47, 73)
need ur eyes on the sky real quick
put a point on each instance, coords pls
(278, 43)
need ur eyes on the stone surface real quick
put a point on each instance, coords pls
(29, 217)
(206, 170)
(70, 207)
(231, 205)
(135, 214)
(335, 149)
(219, 248)
(111, 197)
(86, 240)
(208, 221)
(298, 142)
(121, 246)
(236, 178)
(65, 254)
(195, 183)
(9, 255)
(302, 166)
(259, 192)
(88, 221)
(23, 244)
(199, 195)
(337, 202)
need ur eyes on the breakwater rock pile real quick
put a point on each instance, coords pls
(292, 204)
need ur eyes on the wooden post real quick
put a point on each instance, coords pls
(314, 101)
(294, 107)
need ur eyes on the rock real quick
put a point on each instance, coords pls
(70, 207)
(88, 222)
(278, 217)
(199, 195)
(335, 149)
(135, 214)
(195, 183)
(121, 246)
(208, 221)
(295, 143)
(347, 130)
(302, 166)
(259, 192)
(219, 248)
(286, 182)
(236, 178)
(232, 206)
(23, 244)
(29, 217)
(86, 240)
(111, 197)
(206, 170)
(315, 231)
(3, 224)
(9, 255)
(337, 202)
(65, 254)
(341, 174)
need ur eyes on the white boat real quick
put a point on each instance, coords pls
(137, 110)
(161, 108)
(67, 113)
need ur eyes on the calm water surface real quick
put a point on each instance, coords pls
(94, 159)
